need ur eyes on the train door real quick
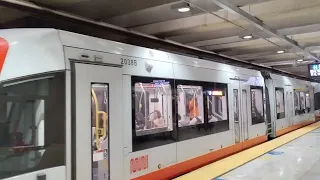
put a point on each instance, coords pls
(241, 108)
(97, 122)
(245, 110)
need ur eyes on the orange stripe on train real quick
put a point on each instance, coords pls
(198, 162)
(4, 47)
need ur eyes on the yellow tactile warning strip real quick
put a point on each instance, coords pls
(225, 165)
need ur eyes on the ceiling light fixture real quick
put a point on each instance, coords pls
(300, 60)
(281, 51)
(247, 37)
(184, 9)
(181, 7)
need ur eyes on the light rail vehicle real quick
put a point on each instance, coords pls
(74, 107)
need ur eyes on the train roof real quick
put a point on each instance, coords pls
(31, 51)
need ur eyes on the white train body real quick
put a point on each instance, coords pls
(197, 101)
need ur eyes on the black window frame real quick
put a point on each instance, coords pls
(206, 128)
(219, 126)
(178, 133)
(151, 140)
(192, 131)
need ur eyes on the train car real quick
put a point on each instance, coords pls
(74, 107)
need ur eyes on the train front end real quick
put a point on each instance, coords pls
(32, 106)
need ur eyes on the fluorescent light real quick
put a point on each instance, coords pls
(217, 93)
(247, 37)
(184, 9)
(300, 60)
(281, 51)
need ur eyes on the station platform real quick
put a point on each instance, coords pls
(292, 156)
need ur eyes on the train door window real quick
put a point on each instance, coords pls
(280, 104)
(291, 104)
(257, 105)
(302, 102)
(308, 105)
(190, 105)
(100, 128)
(152, 112)
(217, 107)
(32, 125)
(296, 102)
(236, 115)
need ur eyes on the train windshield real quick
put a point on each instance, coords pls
(32, 122)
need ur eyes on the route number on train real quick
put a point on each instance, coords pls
(129, 62)
(138, 164)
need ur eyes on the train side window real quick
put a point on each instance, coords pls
(280, 104)
(32, 125)
(152, 112)
(217, 107)
(301, 102)
(257, 105)
(308, 104)
(190, 109)
(201, 108)
(190, 105)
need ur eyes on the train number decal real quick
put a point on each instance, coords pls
(129, 62)
(138, 164)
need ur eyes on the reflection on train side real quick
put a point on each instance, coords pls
(99, 120)
(152, 115)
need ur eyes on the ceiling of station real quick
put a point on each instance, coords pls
(292, 26)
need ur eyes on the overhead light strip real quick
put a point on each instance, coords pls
(259, 24)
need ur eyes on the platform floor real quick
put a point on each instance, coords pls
(294, 156)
